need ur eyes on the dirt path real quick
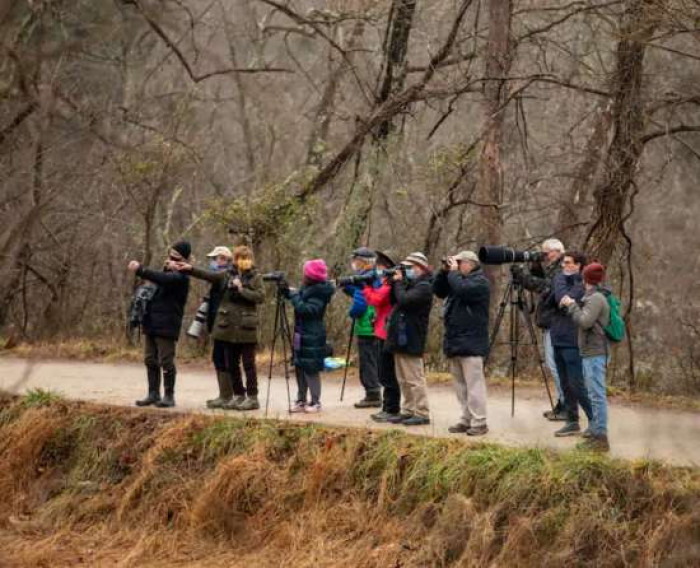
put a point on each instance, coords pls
(635, 432)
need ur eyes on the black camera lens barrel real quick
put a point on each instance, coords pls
(276, 276)
(505, 255)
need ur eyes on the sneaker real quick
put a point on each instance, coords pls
(595, 444)
(570, 429)
(298, 406)
(234, 403)
(250, 403)
(416, 420)
(478, 430)
(218, 402)
(556, 415)
(458, 428)
(369, 402)
(313, 408)
(399, 418)
(587, 433)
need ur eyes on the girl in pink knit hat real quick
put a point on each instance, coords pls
(309, 342)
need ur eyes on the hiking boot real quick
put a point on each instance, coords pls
(478, 430)
(587, 433)
(570, 429)
(370, 401)
(234, 403)
(416, 420)
(458, 428)
(168, 401)
(153, 397)
(250, 403)
(595, 443)
(297, 407)
(225, 391)
(313, 408)
(557, 414)
(383, 416)
(399, 418)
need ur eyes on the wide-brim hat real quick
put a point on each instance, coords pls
(384, 259)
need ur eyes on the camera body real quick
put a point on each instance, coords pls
(496, 255)
(200, 320)
(391, 272)
(276, 276)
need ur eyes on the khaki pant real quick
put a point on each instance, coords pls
(470, 384)
(411, 376)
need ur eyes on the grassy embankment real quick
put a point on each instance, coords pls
(95, 484)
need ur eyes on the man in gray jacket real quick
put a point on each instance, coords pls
(591, 318)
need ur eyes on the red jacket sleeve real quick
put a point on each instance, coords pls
(378, 297)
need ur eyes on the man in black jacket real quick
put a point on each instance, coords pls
(407, 331)
(161, 326)
(466, 291)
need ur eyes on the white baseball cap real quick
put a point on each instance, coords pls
(220, 251)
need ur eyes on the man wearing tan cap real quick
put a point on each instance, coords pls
(466, 291)
(407, 331)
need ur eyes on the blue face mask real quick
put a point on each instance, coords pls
(410, 273)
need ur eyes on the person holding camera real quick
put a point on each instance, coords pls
(592, 316)
(363, 262)
(569, 283)
(309, 341)
(407, 332)
(162, 323)
(553, 251)
(463, 285)
(236, 329)
(379, 297)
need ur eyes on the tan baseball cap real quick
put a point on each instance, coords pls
(467, 255)
(220, 251)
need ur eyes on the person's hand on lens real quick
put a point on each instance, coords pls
(398, 276)
(566, 301)
(452, 263)
(134, 265)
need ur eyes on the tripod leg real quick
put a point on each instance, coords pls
(533, 338)
(499, 320)
(287, 349)
(275, 333)
(347, 359)
(514, 339)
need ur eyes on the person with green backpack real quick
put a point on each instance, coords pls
(599, 321)
(363, 262)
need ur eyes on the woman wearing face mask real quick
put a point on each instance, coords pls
(236, 328)
(309, 342)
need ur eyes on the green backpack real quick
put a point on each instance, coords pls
(615, 330)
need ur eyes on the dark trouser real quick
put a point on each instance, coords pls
(218, 355)
(234, 352)
(159, 353)
(368, 351)
(570, 369)
(391, 400)
(308, 382)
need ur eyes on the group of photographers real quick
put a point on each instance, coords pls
(390, 309)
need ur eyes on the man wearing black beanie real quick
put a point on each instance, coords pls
(162, 323)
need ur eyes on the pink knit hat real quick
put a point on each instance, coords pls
(316, 270)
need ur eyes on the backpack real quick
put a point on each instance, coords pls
(615, 330)
(139, 305)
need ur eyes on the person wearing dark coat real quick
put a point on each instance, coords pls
(407, 332)
(466, 291)
(564, 334)
(309, 341)
(162, 323)
(235, 329)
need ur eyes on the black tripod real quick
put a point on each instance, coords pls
(282, 332)
(514, 297)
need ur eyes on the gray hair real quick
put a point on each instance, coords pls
(553, 244)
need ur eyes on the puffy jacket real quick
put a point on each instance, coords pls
(466, 312)
(166, 308)
(360, 311)
(591, 317)
(407, 330)
(237, 318)
(380, 299)
(309, 341)
(563, 329)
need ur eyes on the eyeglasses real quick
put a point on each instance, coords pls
(568, 262)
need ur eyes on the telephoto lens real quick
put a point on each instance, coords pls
(200, 320)
(507, 255)
(276, 276)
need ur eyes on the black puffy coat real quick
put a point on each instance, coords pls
(309, 340)
(407, 326)
(564, 331)
(542, 285)
(466, 313)
(164, 314)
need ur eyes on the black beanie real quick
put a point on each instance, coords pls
(184, 248)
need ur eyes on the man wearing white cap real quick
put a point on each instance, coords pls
(407, 332)
(466, 291)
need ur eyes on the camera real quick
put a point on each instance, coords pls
(445, 262)
(356, 279)
(506, 255)
(276, 276)
(391, 272)
(200, 320)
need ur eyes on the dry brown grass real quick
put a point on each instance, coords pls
(112, 486)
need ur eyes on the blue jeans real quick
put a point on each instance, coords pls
(552, 366)
(570, 369)
(594, 370)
